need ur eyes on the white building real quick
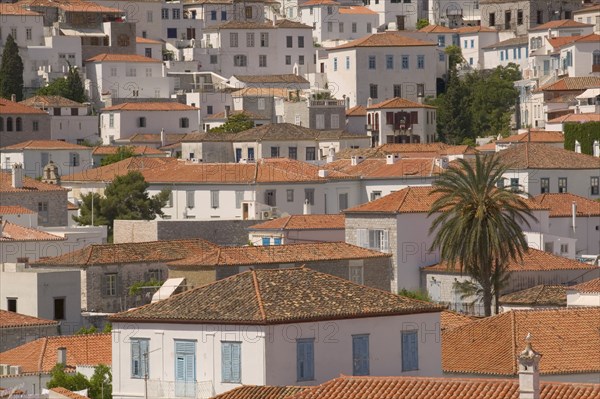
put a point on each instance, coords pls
(473, 39)
(149, 48)
(580, 56)
(584, 294)
(230, 336)
(126, 75)
(381, 66)
(69, 120)
(34, 155)
(396, 15)
(515, 50)
(122, 121)
(588, 15)
(298, 229)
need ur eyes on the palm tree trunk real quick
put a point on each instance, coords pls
(487, 299)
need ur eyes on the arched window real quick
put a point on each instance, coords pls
(1, 124)
(19, 123)
(9, 126)
(369, 118)
(376, 121)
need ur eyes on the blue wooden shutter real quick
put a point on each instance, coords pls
(236, 362)
(410, 351)
(360, 354)
(226, 361)
(185, 360)
(309, 360)
(135, 358)
(266, 241)
(305, 360)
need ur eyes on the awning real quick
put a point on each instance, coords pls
(590, 93)
(471, 17)
(83, 32)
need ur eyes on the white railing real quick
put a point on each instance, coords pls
(158, 389)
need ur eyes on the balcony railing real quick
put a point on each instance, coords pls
(326, 103)
(159, 389)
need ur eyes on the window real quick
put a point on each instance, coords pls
(274, 152)
(142, 121)
(43, 206)
(329, 10)
(335, 64)
(378, 240)
(596, 59)
(250, 153)
(223, 15)
(341, 27)
(501, 55)
(369, 29)
(233, 39)
(139, 357)
(264, 39)
(239, 197)
(149, 17)
(310, 153)
(288, 60)
(397, 90)
(164, 13)
(410, 350)
(492, 19)
(519, 17)
(27, 33)
(300, 60)
(11, 304)
(353, 27)
(113, 71)
(335, 121)
(184, 122)
(500, 183)
(262, 62)
(240, 60)
(405, 64)
(320, 121)
(441, 41)
(290, 195)
(213, 59)
(185, 368)
(442, 56)
(544, 185)
(564, 249)
(271, 197)
(514, 184)
(111, 120)
(293, 153)
(329, 27)
(213, 15)
(420, 62)
(347, 62)
(249, 39)
(59, 308)
(176, 13)
(214, 199)
(110, 284)
(472, 43)
(420, 93)
(209, 109)
(19, 124)
(360, 355)
(375, 195)
(466, 44)
(595, 185)
(248, 12)
(372, 62)
(289, 40)
(309, 195)
(389, 61)
(74, 159)
(562, 184)
(373, 91)
(13, 33)
(276, 240)
(301, 41)
(356, 274)
(171, 33)
(190, 199)
(305, 362)
(549, 247)
(262, 103)
(540, 17)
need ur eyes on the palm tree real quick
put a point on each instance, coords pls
(478, 224)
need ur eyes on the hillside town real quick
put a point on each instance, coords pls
(393, 199)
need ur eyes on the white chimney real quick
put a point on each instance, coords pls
(529, 373)
(596, 148)
(17, 175)
(369, 102)
(577, 147)
(574, 215)
(163, 138)
(274, 19)
(61, 356)
(323, 172)
(331, 154)
(391, 159)
(306, 210)
(356, 159)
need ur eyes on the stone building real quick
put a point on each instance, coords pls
(20, 123)
(18, 329)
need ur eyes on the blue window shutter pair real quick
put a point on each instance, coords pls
(305, 360)
(360, 355)
(231, 362)
(139, 353)
(410, 350)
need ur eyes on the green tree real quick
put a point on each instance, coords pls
(477, 226)
(121, 154)
(234, 124)
(421, 23)
(87, 331)
(455, 57)
(586, 133)
(419, 294)
(453, 122)
(72, 382)
(126, 197)
(11, 71)
(70, 87)
(101, 383)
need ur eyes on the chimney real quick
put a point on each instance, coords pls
(596, 148)
(274, 19)
(227, 108)
(574, 215)
(13, 98)
(61, 356)
(306, 210)
(577, 147)
(17, 175)
(391, 159)
(355, 160)
(369, 102)
(529, 373)
(323, 172)
(163, 138)
(331, 154)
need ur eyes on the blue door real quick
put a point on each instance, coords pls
(185, 369)
(238, 154)
(360, 355)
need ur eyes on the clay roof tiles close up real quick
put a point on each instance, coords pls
(12, 319)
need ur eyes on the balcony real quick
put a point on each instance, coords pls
(158, 389)
(326, 103)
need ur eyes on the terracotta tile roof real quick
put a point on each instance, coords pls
(151, 106)
(281, 23)
(277, 254)
(137, 150)
(319, 2)
(356, 10)
(587, 9)
(109, 172)
(384, 39)
(286, 131)
(359, 110)
(398, 102)
(16, 9)
(540, 295)
(152, 251)
(145, 40)
(44, 145)
(12, 319)
(155, 137)
(437, 29)
(534, 137)
(440, 388)
(87, 6)
(592, 286)
(533, 259)
(579, 83)
(13, 232)
(450, 320)
(542, 156)
(41, 355)
(515, 41)
(277, 296)
(490, 345)
(475, 29)
(11, 107)
(50, 101)
(122, 58)
(408, 200)
(560, 204)
(29, 185)
(559, 24)
(69, 394)
(378, 168)
(15, 210)
(284, 78)
(71, 206)
(413, 150)
(489, 147)
(262, 92)
(303, 222)
(576, 118)
(261, 392)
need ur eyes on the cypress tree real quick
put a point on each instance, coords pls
(11, 71)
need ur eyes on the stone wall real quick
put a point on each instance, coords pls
(13, 337)
(221, 232)
(57, 204)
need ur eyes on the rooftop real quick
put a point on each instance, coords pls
(591, 286)
(261, 392)
(12, 319)
(398, 102)
(534, 137)
(303, 222)
(15, 210)
(11, 107)
(378, 168)
(515, 41)
(29, 185)
(491, 345)
(579, 83)
(69, 394)
(50, 101)
(576, 118)
(280, 23)
(145, 40)
(450, 320)
(358, 10)
(283, 78)
(475, 29)
(560, 24)
(13, 232)
(137, 150)
(151, 106)
(287, 131)
(384, 39)
(437, 29)
(413, 150)
(358, 110)
(122, 58)
(540, 295)
(16, 9)
(45, 145)
(542, 156)
(262, 92)
(276, 296)
(560, 204)
(407, 200)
